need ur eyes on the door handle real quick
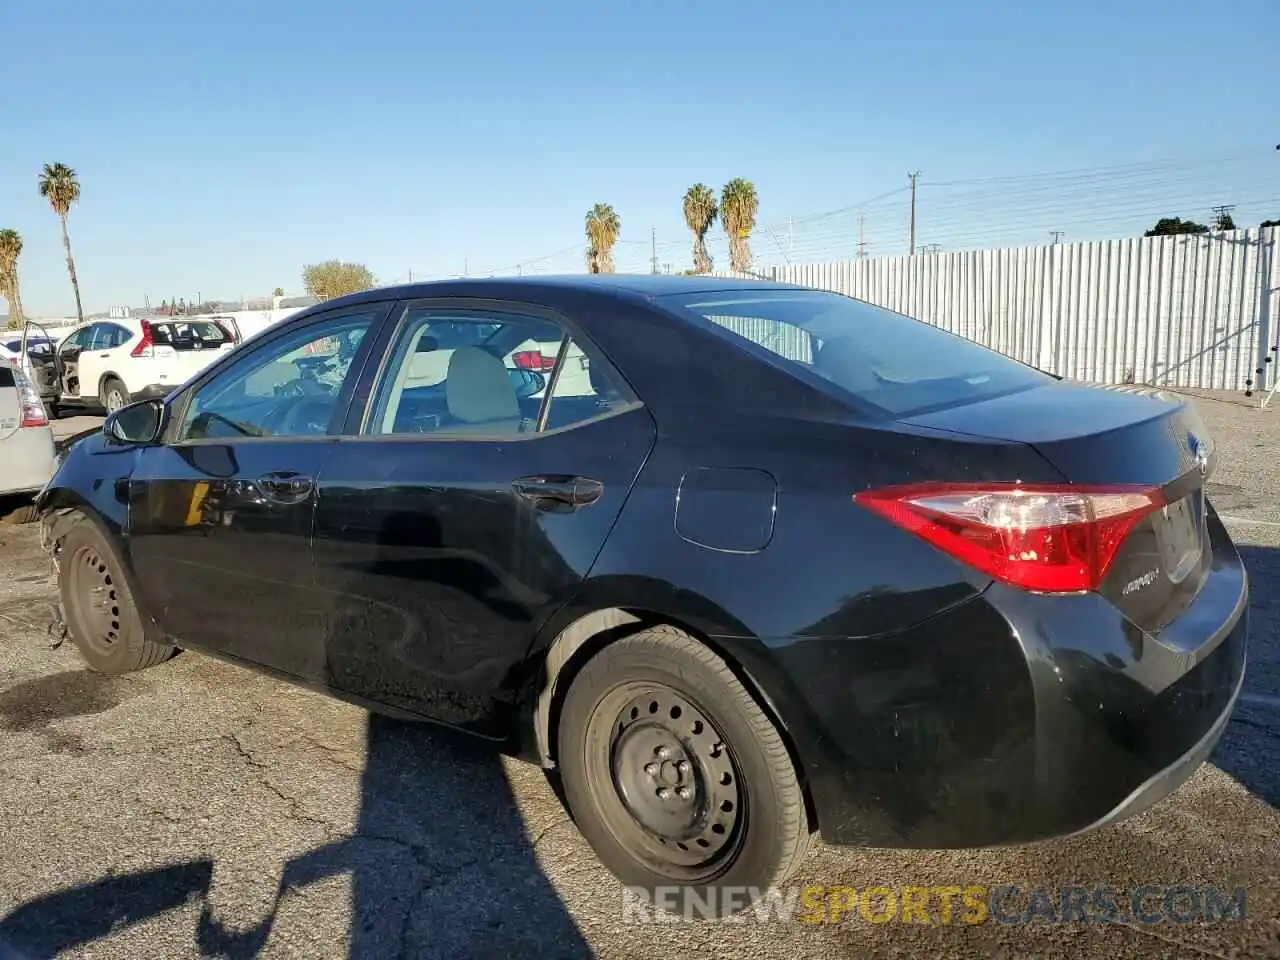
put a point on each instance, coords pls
(104, 355)
(558, 493)
(286, 487)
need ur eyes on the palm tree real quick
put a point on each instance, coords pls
(58, 185)
(10, 250)
(603, 227)
(738, 207)
(700, 213)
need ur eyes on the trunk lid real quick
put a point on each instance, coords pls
(1122, 435)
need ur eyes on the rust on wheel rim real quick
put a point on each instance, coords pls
(94, 601)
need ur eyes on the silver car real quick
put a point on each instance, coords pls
(27, 453)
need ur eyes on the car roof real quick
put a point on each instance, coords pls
(621, 285)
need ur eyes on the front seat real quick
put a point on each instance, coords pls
(480, 394)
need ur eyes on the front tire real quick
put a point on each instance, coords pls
(102, 618)
(676, 777)
(114, 395)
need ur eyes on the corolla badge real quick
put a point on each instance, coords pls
(1200, 452)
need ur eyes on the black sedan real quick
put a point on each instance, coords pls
(738, 561)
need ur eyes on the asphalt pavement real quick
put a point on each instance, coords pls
(201, 810)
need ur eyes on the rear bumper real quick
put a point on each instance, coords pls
(1015, 718)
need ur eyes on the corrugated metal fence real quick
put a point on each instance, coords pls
(1180, 311)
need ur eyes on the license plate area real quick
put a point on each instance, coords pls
(1180, 535)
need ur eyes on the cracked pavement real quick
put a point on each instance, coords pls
(201, 810)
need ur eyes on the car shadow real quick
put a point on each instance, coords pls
(440, 864)
(1250, 748)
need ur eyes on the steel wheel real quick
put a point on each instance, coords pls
(676, 797)
(94, 608)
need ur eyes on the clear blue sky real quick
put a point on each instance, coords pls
(223, 145)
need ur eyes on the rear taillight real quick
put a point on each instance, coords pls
(226, 331)
(533, 360)
(33, 414)
(145, 346)
(1051, 538)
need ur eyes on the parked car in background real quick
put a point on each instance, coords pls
(773, 560)
(27, 456)
(106, 364)
(11, 345)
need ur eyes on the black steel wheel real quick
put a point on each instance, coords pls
(673, 781)
(101, 617)
(674, 774)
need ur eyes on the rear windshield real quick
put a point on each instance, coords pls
(188, 335)
(895, 364)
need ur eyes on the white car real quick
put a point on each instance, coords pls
(27, 454)
(109, 363)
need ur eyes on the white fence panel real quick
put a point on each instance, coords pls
(1179, 311)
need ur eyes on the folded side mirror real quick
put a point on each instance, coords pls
(137, 424)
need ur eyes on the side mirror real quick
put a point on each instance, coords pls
(137, 424)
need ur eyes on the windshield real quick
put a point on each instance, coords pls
(897, 365)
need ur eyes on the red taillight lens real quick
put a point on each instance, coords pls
(33, 414)
(1051, 538)
(143, 348)
(533, 360)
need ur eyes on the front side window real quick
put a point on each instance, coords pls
(289, 387)
(891, 362)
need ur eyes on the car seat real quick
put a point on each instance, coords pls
(480, 394)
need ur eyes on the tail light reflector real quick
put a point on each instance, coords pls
(33, 414)
(145, 347)
(1050, 538)
(533, 360)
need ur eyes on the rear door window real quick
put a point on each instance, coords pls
(889, 362)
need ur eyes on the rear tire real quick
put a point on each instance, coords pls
(676, 777)
(52, 410)
(114, 395)
(102, 618)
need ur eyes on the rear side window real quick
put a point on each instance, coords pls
(895, 364)
(189, 335)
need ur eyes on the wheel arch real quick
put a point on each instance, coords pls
(58, 512)
(576, 643)
(108, 376)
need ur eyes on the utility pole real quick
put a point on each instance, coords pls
(862, 234)
(1057, 235)
(1222, 214)
(466, 266)
(653, 249)
(914, 176)
(411, 275)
